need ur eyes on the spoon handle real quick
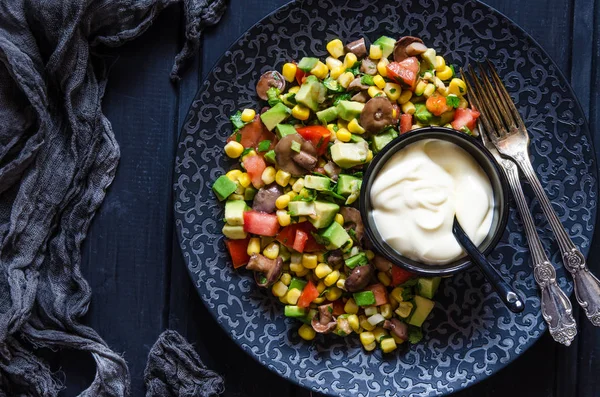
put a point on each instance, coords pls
(505, 291)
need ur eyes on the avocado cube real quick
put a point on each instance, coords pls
(427, 287)
(381, 140)
(307, 64)
(387, 45)
(446, 117)
(234, 232)
(301, 208)
(324, 214)
(223, 187)
(335, 235)
(275, 115)
(424, 306)
(317, 182)
(328, 115)
(348, 155)
(282, 130)
(348, 110)
(234, 212)
(422, 115)
(347, 184)
(311, 93)
(294, 311)
(249, 193)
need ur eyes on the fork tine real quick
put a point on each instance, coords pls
(501, 89)
(473, 97)
(503, 112)
(488, 105)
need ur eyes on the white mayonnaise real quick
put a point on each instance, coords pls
(417, 193)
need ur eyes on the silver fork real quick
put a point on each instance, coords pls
(506, 130)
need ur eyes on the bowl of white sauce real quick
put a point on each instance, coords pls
(414, 188)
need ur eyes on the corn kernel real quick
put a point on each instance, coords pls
(248, 115)
(333, 294)
(282, 178)
(332, 63)
(392, 90)
(306, 332)
(289, 72)
(286, 278)
(457, 87)
(233, 149)
(369, 156)
(379, 81)
(393, 303)
(244, 179)
(294, 90)
(233, 175)
(301, 112)
(335, 48)
(342, 124)
(416, 126)
(339, 218)
(382, 66)
(309, 261)
(296, 267)
(250, 153)
(349, 60)
(271, 251)
(235, 197)
(404, 309)
(337, 71)
(463, 104)
(345, 79)
(303, 272)
(321, 287)
(445, 73)
(268, 175)
(341, 283)
(298, 185)
(302, 219)
(320, 70)
(373, 91)
(353, 322)
(283, 218)
(322, 270)
(355, 128)
(370, 254)
(282, 201)
(428, 76)
(319, 300)
(253, 246)
(420, 88)
(370, 347)
(409, 108)
(321, 256)
(351, 307)
(343, 135)
(279, 289)
(397, 294)
(283, 299)
(398, 340)
(379, 332)
(384, 278)
(375, 52)
(292, 296)
(440, 63)
(366, 338)
(388, 345)
(386, 310)
(364, 323)
(332, 278)
(371, 310)
(405, 97)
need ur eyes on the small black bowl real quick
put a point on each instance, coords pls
(488, 164)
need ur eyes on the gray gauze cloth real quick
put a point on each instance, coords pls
(58, 155)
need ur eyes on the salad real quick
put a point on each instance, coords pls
(290, 198)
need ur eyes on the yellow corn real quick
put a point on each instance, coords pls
(296, 267)
(294, 90)
(289, 72)
(306, 332)
(336, 48)
(369, 156)
(332, 63)
(283, 218)
(379, 332)
(302, 273)
(343, 135)
(440, 63)
(233, 175)
(429, 90)
(409, 108)
(301, 112)
(375, 52)
(321, 256)
(355, 128)
(351, 307)
(337, 71)
(398, 340)
(286, 278)
(388, 345)
(366, 338)
(341, 283)
(457, 87)
(445, 73)
(244, 179)
(404, 309)
(339, 218)
(420, 88)
(268, 175)
(462, 103)
(397, 293)
(248, 115)
(282, 201)
(393, 303)
(321, 287)
(370, 347)
(333, 294)
(349, 60)
(320, 70)
(319, 300)
(364, 323)
(345, 79)
(440, 86)
(271, 251)
(292, 296)
(279, 289)
(239, 189)
(322, 270)
(353, 322)
(342, 124)
(392, 90)
(253, 246)
(283, 300)
(282, 178)
(331, 278)
(370, 254)
(384, 278)
(234, 197)
(405, 97)
(234, 149)
(382, 66)
(309, 261)
(379, 81)
(250, 153)
(298, 185)
(374, 91)
(386, 310)
(416, 126)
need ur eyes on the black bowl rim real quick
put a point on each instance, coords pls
(393, 256)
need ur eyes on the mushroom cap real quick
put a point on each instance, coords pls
(352, 216)
(357, 84)
(269, 269)
(325, 323)
(408, 46)
(377, 114)
(397, 328)
(265, 198)
(359, 278)
(287, 159)
(272, 78)
(382, 264)
(362, 97)
(357, 47)
(368, 67)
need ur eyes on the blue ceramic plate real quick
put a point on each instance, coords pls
(470, 335)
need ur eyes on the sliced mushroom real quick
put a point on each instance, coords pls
(357, 84)
(332, 170)
(358, 48)
(368, 67)
(353, 220)
(359, 278)
(265, 198)
(325, 323)
(269, 79)
(266, 271)
(362, 97)
(397, 328)
(377, 115)
(408, 46)
(291, 161)
(382, 264)
(335, 257)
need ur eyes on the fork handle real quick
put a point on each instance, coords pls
(587, 286)
(555, 305)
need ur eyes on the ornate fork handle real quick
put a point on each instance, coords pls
(556, 307)
(587, 286)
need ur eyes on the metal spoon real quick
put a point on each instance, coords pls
(506, 293)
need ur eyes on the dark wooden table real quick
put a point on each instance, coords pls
(131, 256)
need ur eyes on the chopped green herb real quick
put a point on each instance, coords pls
(238, 137)
(414, 334)
(263, 146)
(410, 283)
(355, 70)
(392, 90)
(452, 101)
(341, 97)
(332, 85)
(273, 96)
(330, 309)
(366, 79)
(246, 151)
(236, 120)
(453, 71)
(296, 146)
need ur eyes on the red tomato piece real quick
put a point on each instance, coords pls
(404, 72)
(380, 293)
(300, 76)
(405, 123)
(465, 118)
(287, 236)
(309, 294)
(437, 105)
(255, 165)
(300, 240)
(238, 250)
(252, 134)
(338, 307)
(400, 275)
(317, 135)
(260, 223)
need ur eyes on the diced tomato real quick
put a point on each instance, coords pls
(300, 76)
(465, 118)
(309, 294)
(300, 240)
(436, 104)
(260, 223)
(255, 165)
(405, 123)
(238, 250)
(404, 72)
(338, 307)
(252, 134)
(287, 236)
(317, 135)
(380, 293)
(400, 275)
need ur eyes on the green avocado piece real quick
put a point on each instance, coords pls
(427, 287)
(234, 212)
(301, 208)
(324, 214)
(317, 182)
(311, 93)
(387, 45)
(249, 193)
(381, 140)
(424, 306)
(307, 64)
(327, 115)
(345, 184)
(348, 155)
(223, 187)
(297, 283)
(335, 236)
(294, 311)
(234, 232)
(429, 56)
(282, 130)
(364, 298)
(447, 117)
(275, 115)
(348, 110)
(422, 115)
